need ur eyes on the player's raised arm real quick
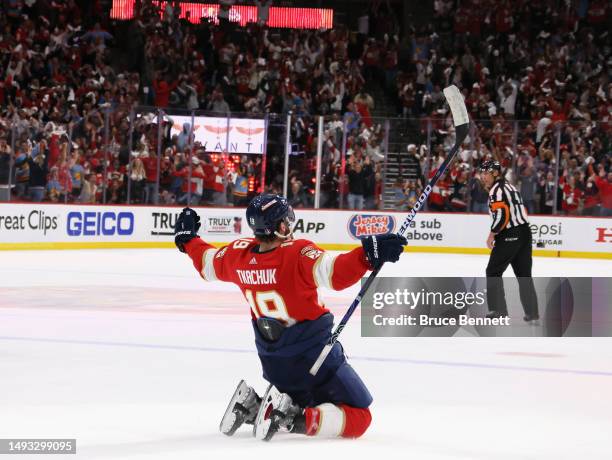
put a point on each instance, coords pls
(344, 270)
(201, 253)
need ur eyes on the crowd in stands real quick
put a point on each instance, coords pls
(535, 75)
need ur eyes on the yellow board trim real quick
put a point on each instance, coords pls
(330, 247)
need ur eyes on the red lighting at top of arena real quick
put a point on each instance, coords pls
(293, 18)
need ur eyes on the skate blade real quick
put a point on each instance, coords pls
(262, 428)
(232, 420)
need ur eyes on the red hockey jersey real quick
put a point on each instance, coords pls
(281, 283)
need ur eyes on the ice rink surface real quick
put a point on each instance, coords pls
(132, 354)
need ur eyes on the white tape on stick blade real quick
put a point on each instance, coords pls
(455, 101)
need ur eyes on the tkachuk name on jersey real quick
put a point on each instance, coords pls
(265, 276)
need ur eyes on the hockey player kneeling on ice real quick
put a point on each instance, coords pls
(279, 277)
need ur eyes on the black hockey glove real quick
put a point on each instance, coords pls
(186, 228)
(383, 248)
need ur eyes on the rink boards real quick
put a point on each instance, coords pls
(57, 226)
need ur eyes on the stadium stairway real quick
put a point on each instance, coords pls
(401, 133)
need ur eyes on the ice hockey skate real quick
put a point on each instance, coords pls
(241, 409)
(277, 412)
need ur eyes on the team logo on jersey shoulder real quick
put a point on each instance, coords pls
(311, 252)
(221, 252)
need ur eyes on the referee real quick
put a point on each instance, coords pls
(510, 241)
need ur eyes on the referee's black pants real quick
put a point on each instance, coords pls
(512, 247)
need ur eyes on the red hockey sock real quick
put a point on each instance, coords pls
(330, 420)
(357, 421)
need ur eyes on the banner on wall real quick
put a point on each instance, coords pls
(50, 223)
(240, 135)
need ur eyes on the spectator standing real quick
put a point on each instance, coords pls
(507, 97)
(528, 184)
(196, 186)
(89, 189)
(479, 197)
(543, 125)
(149, 162)
(219, 196)
(571, 196)
(364, 104)
(54, 188)
(38, 177)
(399, 195)
(138, 176)
(357, 185)
(297, 196)
(241, 187)
(604, 184)
(115, 190)
(218, 104)
(22, 172)
(5, 170)
(65, 180)
(97, 35)
(76, 173)
(184, 138)
(458, 197)
(369, 189)
(439, 194)
(209, 180)
(591, 198)
(547, 189)
(352, 118)
(163, 88)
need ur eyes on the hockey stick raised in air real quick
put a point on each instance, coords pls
(462, 125)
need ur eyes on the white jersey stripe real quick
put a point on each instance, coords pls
(208, 268)
(323, 270)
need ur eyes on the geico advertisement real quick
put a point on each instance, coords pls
(59, 223)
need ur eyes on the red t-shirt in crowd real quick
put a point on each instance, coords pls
(571, 198)
(605, 191)
(150, 166)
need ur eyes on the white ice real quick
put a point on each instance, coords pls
(132, 354)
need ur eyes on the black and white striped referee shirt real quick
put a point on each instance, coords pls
(506, 207)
